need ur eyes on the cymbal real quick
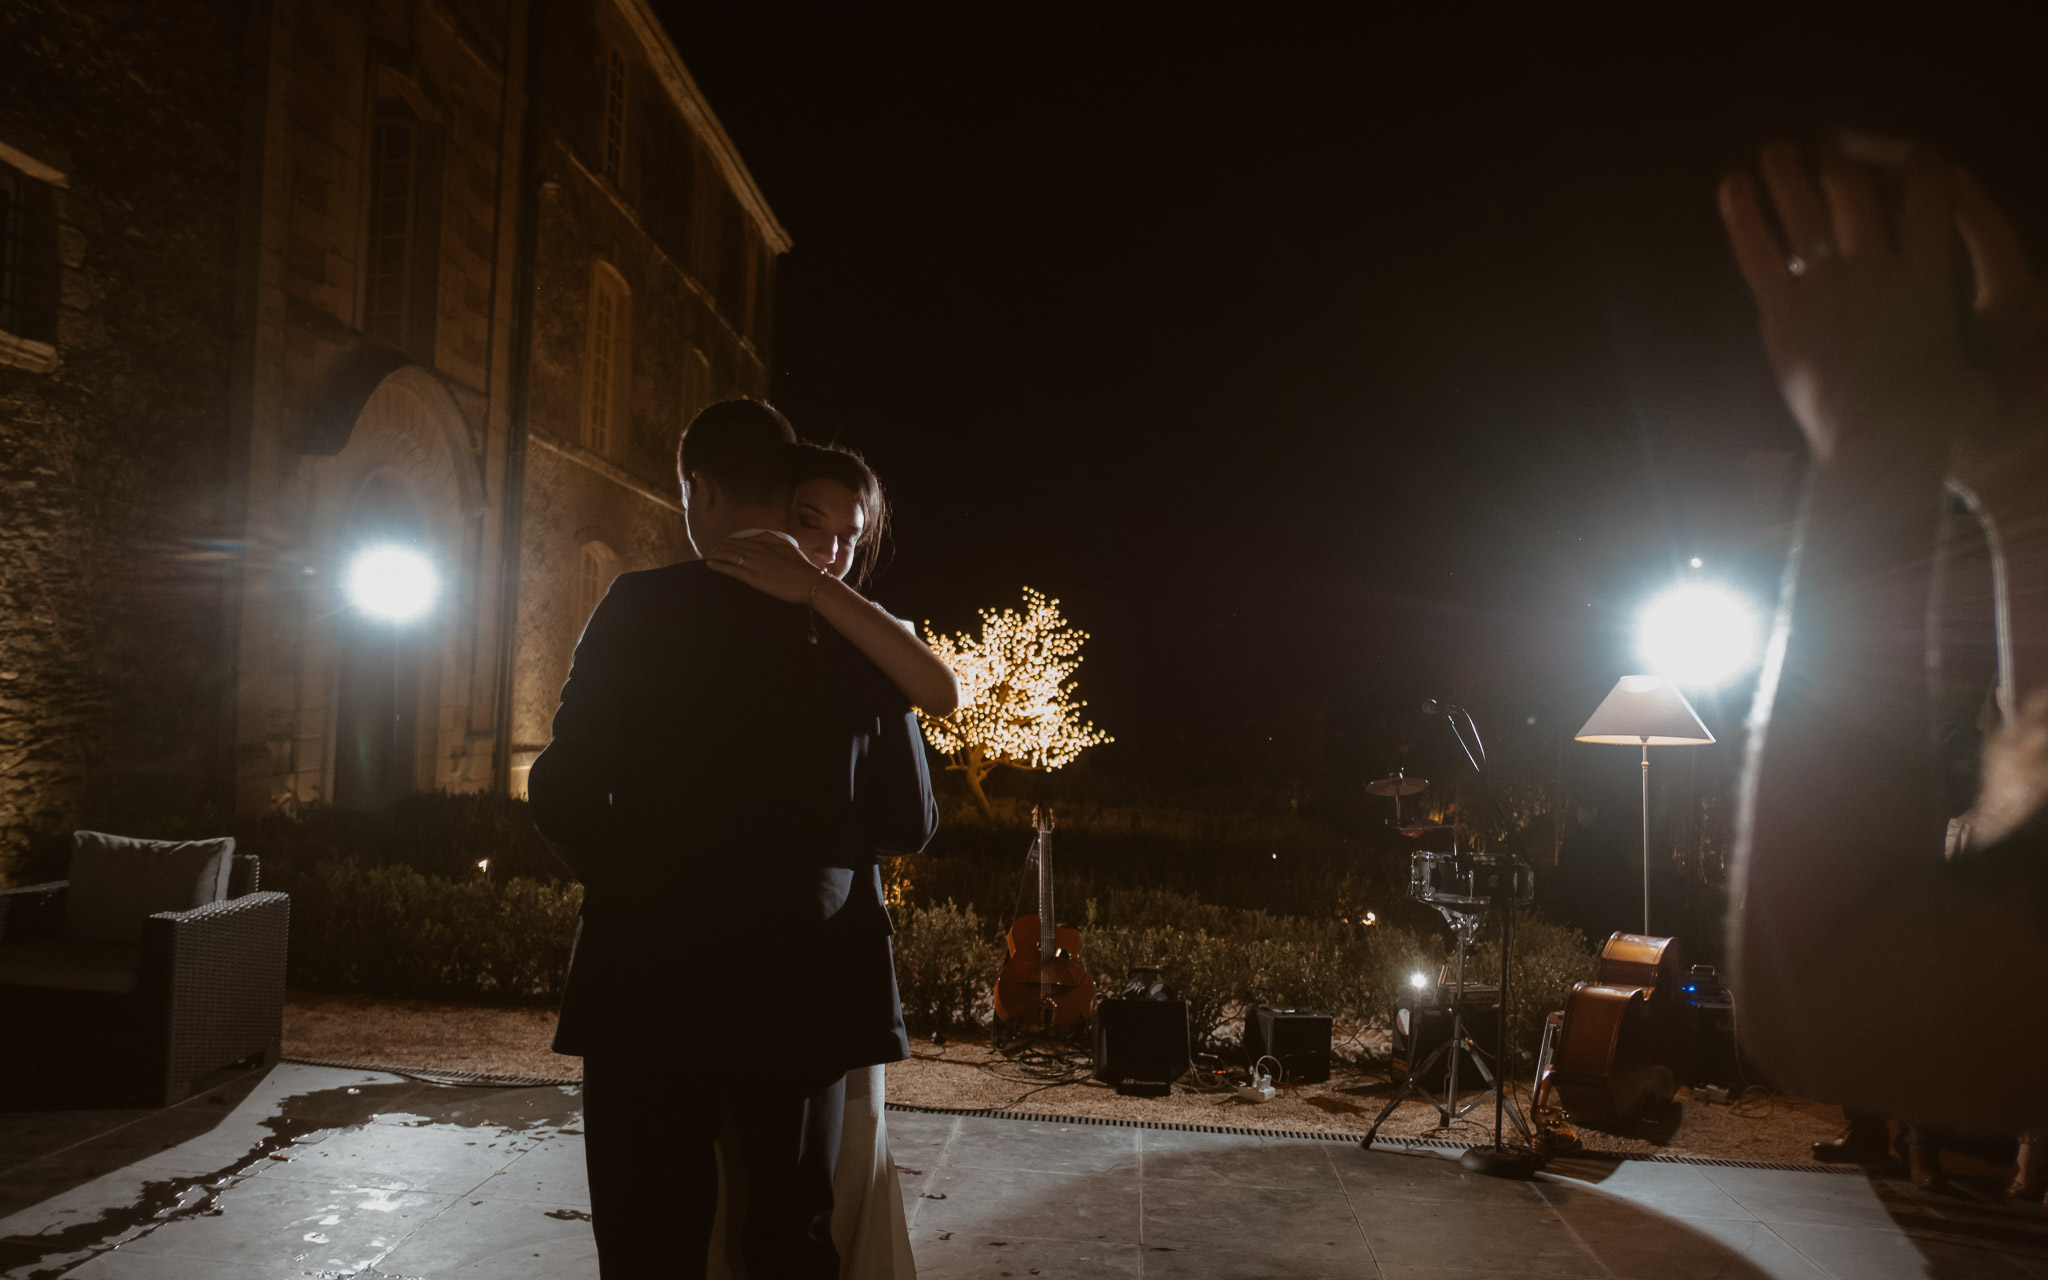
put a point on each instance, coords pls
(1398, 785)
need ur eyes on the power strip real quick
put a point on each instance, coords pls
(1259, 1090)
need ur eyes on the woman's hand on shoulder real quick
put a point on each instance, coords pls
(768, 565)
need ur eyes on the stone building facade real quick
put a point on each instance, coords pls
(291, 279)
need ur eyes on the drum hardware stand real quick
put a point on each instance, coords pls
(1498, 1160)
(1458, 1044)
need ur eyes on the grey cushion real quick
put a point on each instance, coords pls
(69, 965)
(117, 882)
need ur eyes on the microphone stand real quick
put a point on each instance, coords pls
(1499, 1160)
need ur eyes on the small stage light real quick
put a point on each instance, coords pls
(396, 584)
(1699, 635)
(1418, 980)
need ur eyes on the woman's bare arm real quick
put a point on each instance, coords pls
(1847, 930)
(777, 568)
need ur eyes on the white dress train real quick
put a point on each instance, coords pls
(868, 1223)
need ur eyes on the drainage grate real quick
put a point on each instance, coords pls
(1324, 1135)
(436, 1075)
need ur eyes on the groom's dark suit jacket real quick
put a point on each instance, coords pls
(721, 785)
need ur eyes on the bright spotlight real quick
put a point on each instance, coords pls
(1699, 635)
(1418, 980)
(396, 584)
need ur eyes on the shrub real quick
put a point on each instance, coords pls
(946, 966)
(1392, 954)
(393, 931)
(1545, 961)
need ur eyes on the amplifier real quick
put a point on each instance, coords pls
(1299, 1038)
(1141, 1046)
(1420, 1025)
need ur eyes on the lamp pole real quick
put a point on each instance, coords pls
(1646, 837)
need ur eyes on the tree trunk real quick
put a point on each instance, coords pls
(976, 766)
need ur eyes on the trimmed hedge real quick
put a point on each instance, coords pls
(395, 903)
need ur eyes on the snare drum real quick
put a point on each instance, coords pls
(1470, 880)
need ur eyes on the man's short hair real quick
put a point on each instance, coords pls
(741, 445)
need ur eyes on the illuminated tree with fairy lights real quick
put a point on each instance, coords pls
(1017, 704)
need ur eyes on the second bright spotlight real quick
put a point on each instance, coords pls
(1699, 635)
(392, 583)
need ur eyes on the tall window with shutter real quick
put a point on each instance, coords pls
(388, 269)
(607, 360)
(612, 153)
(28, 256)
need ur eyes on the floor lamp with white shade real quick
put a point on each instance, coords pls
(1646, 711)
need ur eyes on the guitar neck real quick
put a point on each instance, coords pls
(1046, 941)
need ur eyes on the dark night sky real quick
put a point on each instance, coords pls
(1315, 367)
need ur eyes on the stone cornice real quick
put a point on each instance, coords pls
(611, 471)
(689, 99)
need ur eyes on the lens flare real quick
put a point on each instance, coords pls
(396, 584)
(1699, 635)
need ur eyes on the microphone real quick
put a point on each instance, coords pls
(1431, 707)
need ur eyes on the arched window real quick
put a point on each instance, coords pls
(595, 569)
(608, 359)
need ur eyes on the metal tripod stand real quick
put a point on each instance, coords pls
(1465, 920)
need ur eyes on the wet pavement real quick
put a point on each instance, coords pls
(325, 1172)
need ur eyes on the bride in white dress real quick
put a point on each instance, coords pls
(837, 519)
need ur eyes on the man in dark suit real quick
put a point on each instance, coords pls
(721, 777)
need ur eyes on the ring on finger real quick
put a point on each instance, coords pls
(1816, 253)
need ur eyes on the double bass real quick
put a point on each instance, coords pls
(1618, 1033)
(1043, 985)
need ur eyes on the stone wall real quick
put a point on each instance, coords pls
(115, 529)
(669, 227)
(177, 477)
(331, 65)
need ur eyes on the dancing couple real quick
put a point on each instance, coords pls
(734, 750)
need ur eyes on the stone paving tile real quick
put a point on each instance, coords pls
(1635, 1244)
(1262, 1260)
(1238, 1161)
(122, 1265)
(552, 1171)
(497, 1239)
(1044, 1147)
(1026, 1202)
(1680, 1190)
(1777, 1197)
(1423, 1177)
(965, 1255)
(1220, 1215)
(292, 1225)
(1517, 1238)
(434, 1158)
(1865, 1253)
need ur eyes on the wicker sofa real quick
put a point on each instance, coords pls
(106, 1001)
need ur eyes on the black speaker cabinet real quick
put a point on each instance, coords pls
(1299, 1038)
(1419, 1027)
(1141, 1046)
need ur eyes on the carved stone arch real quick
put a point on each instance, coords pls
(405, 453)
(334, 414)
(406, 84)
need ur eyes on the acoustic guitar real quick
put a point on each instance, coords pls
(1614, 1048)
(1043, 985)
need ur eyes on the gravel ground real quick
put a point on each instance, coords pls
(967, 1072)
